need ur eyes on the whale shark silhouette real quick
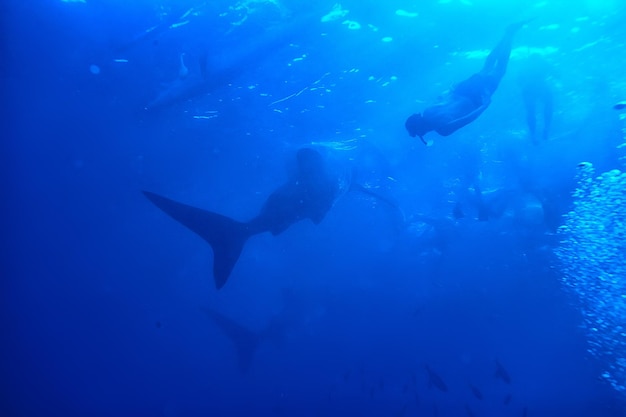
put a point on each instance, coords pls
(308, 194)
(214, 71)
(246, 341)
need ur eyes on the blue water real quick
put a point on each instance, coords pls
(109, 306)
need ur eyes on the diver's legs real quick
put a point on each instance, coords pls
(530, 105)
(547, 116)
(531, 122)
(498, 59)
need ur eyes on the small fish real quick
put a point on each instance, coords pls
(457, 212)
(417, 400)
(434, 379)
(476, 392)
(346, 376)
(501, 373)
(525, 412)
(402, 411)
(507, 399)
(469, 411)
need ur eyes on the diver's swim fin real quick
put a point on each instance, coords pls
(225, 235)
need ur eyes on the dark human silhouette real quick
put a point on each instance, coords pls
(468, 99)
(537, 93)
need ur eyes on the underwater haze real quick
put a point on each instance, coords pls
(266, 208)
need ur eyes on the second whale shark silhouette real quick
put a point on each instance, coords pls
(217, 70)
(246, 341)
(308, 194)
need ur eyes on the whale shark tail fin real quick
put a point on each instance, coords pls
(244, 340)
(226, 236)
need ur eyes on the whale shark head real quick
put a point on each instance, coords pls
(310, 162)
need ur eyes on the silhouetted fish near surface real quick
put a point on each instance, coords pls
(501, 373)
(620, 106)
(435, 380)
(476, 392)
(525, 412)
(507, 399)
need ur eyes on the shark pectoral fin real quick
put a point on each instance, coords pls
(225, 235)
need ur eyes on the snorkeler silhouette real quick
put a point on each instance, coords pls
(469, 98)
(537, 92)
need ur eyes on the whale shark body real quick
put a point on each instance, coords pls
(308, 194)
(215, 71)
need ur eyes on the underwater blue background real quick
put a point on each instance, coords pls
(104, 297)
